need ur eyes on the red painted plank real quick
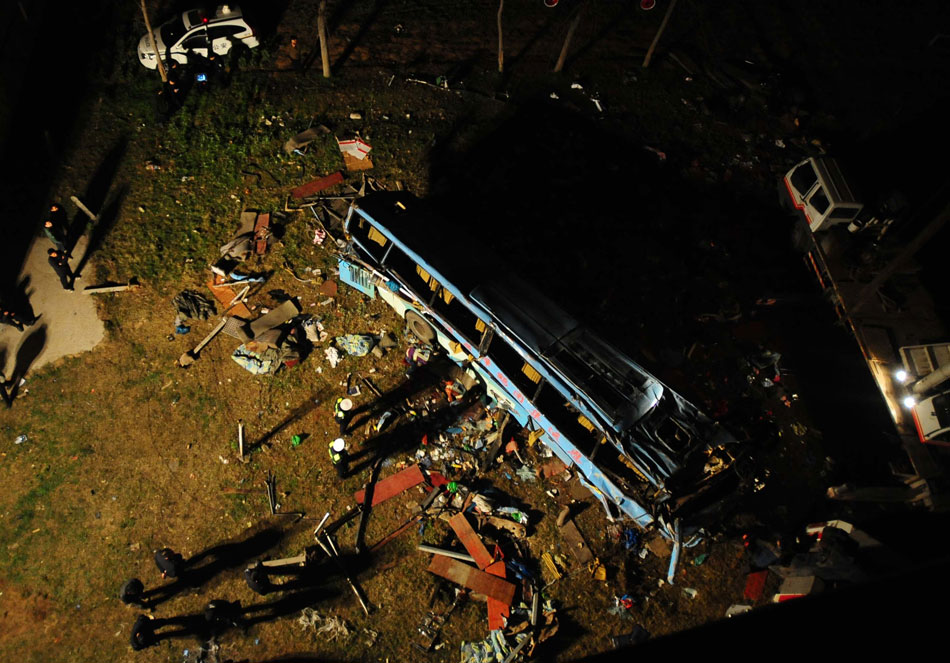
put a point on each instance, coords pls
(316, 185)
(393, 485)
(497, 611)
(468, 576)
(469, 539)
(755, 585)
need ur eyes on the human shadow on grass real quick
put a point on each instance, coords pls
(407, 436)
(220, 616)
(199, 569)
(29, 349)
(107, 220)
(297, 413)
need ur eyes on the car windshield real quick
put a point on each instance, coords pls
(804, 178)
(171, 32)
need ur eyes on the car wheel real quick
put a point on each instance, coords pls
(420, 328)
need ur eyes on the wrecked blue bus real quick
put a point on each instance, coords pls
(641, 448)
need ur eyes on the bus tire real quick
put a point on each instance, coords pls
(420, 328)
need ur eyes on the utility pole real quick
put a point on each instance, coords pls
(151, 38)
(659, 33)
(322, 30)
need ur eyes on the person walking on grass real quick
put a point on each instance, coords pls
(59, 261)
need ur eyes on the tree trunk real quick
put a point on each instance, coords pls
(501, 48)
(659, 33)
(151, 38)
(570, 35)
(322, 29)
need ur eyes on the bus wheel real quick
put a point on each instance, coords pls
(420, 328)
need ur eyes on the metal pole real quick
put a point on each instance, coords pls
(463, 557)
(336, 558)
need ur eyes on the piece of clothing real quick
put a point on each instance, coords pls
(357, 345)
(192, 304)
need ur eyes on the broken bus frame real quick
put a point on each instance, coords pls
(639, 446)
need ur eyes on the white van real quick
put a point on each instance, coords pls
(818, 190)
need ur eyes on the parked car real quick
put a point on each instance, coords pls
(195, 32)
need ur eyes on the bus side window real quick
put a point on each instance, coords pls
(466, 323)
(412, 274)
(578, 429)
(515, 367)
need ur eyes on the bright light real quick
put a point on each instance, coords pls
(909, 402)
(901, 375)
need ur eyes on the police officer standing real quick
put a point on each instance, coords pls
(339, 457)
(59, 261)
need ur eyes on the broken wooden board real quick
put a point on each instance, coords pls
(755, 585)
(393, 485)
(470, 577)
(575, 541)
(277, 316)
(261, 232)
(515, 529)
(317, 185)
(103, 289)
(473, 544)
(224, 295)
(352, 163)
(497, 611)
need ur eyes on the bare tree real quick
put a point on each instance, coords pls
(501, 48)
(570, 35)
(322, 30)
(659, 33)
(151, 38)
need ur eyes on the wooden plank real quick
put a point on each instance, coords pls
(755, 585)
(393, 485)
(273, 318)
(317, 185)
(470, 577)
(261, 230)
(497, 611)
(102, 289)
(575, 541)
(463, 530)
(224, 295)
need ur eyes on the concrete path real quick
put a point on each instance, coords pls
(68, 321)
